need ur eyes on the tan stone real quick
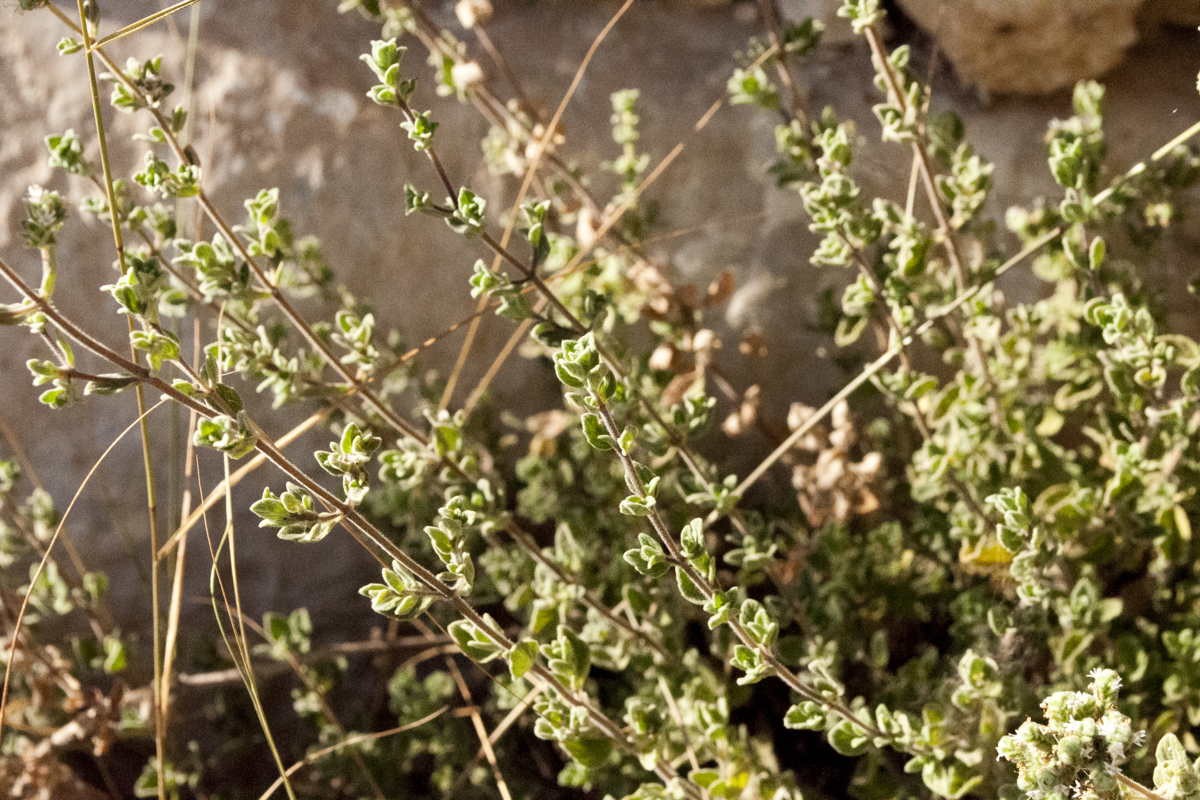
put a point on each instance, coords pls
(1029, 46)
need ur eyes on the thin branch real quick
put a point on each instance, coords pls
(144, 22)
(1132, 785)
(160, 733)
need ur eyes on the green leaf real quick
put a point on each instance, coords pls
(544, 614)
(691, 539)
(594, 431)
(1170, 750)
(847, 739)
(688, 588)
(576, 652)
(522, 657)
(590, 751)
(648, 557)
(720, 609)
(115, 656)
(1096, 253)
(473, 642)
(805, 715)
(637, 505)
(949, 780)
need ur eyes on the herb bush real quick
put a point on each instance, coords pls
(982, 585)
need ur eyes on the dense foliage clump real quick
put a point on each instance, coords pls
(988, 526)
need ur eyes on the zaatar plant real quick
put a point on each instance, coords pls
(992, 514)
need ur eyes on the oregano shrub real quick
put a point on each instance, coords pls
(980, 581)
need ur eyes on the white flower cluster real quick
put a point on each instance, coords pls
(1078, 752)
